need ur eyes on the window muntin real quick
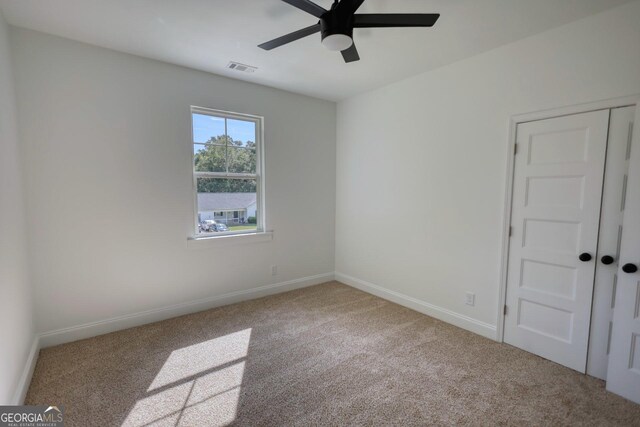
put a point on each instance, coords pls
(227, 172)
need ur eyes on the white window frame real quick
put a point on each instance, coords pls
(258, 176)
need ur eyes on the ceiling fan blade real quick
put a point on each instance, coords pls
(307, 6)
(291, 37)
(351, 54)
(349, 6)
(377, 20)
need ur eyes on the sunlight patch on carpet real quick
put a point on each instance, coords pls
(198, 358)
(199, 382)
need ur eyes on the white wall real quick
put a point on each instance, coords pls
(106, 139)
(437, 143)
(16, 314)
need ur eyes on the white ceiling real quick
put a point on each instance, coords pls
(207, 34)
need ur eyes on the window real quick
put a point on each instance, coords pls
(227, 172)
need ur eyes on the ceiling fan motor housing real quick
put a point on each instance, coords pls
(332, 23)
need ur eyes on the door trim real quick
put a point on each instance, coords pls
(516, 119)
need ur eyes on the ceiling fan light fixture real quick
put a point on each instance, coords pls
(337, 42)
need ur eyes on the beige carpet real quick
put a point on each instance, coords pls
(324, 355)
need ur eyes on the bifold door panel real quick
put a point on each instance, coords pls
(557, 190)
(623, 373)
(611, 230)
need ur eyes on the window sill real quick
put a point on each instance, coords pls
(228, 239)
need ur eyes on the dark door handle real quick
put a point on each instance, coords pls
(629, 268)
(585, 256)
(607, 259)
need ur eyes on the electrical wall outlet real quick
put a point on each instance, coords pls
(470, 298)
(274, 270)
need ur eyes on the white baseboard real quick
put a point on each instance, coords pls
(27, 373)
(465, 322)
(74, 333)
(88, 330)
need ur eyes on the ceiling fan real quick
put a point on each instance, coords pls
(336, 25)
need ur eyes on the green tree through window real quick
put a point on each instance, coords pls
(224, 154)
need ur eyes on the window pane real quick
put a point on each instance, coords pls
(242, 160)
(209, 158)
(242, 133)
(207, 128)
(226, 205)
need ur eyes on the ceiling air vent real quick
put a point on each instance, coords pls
(241, 67)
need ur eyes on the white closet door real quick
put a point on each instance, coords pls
(615, 181)
(623, 374)
(555, 216)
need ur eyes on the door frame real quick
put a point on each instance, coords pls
(514, 121)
